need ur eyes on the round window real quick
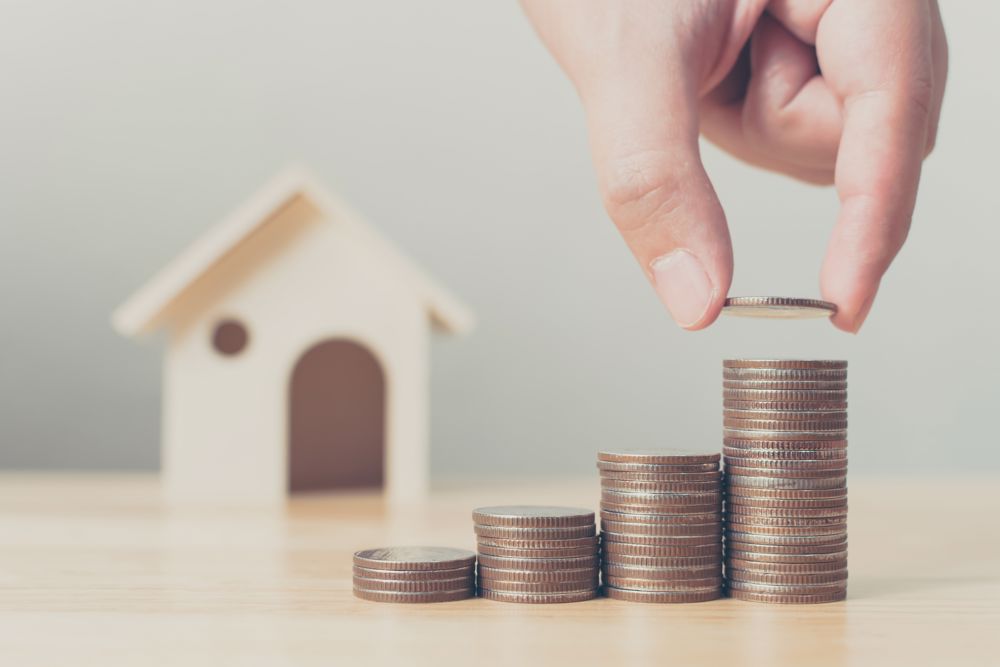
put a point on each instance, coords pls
(230, 337)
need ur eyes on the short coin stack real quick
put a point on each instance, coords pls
(661, 525)
(785, 455)
(414, 574)
(536, 554)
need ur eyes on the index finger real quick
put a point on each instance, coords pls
(876, 57)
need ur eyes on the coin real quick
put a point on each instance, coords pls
(784, 395)
(765, 493)
(713, 476)
(785, 374)
(664, 584)
(537, 598)
(784, 484)
(437, 596)
(490, 550)
(834, 546)
(787, 579)
(786, 415)
(749, 596)
(414, 558)
(630, 486)
(762, 527)
(427, 586)
(574, 574)
(533, 516)
(661, 596)
(702, 549)
(774, 436)
(661, 499)
(501, 586)
(667, 535)
(759, 443)
(415, 575)
(655, 508)
(784, 454)
(807, 364)
(737, 423)
(661, 573)
(778, 307)
(751, 513)
(784, 406)
(739, 539)
(511, 532)
(789, 558)
(664, 456)
(668, 562)
(788, 568)
(840, 470)
(504, 563)
(811, 589)
(613, 466)
(784, 465)
(647, 518)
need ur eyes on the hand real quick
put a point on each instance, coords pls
(841, 91)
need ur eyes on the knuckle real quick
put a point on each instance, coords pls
(640, 189)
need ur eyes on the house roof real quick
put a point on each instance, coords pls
(141, 312)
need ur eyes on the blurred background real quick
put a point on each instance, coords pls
(128, 129)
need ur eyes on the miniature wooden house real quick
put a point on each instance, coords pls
(297, 353)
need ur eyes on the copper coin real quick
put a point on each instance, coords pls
(762, 493)
(789, 395)
(699, 585)
(500, 574)
(777, 384)
(664, 534)
(795, 445)
(537, 598)
(785, 374)
(811, 589)
(664, 477)
(414, 558)
(667, 562)
(547, 545)
(653, 531)
(661, 499)
(415, 575)
(429, 586)
(537, 564)
(675, 519)
(636, 508)
(409, 598)
(641, 486)
(532, 516)
(735, 509)
(785, 578)
(803, 530)
(785, 406)
(539, 587)
(777, 307)
(815, 416)
(789, 599)
(664, 456)
(814, 567)
(510, 532)
(785, 454)
(786, 483)
(610, 466)
(802, 559)
(748, 503)
(491, 550)
(657, 551)
(769, 425)
(832, 547)
(789, 472)
(785, 464)
(660, 596)
(802, 436)
(662, 573)
(785, 363)
(749, 541)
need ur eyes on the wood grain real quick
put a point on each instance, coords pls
(94, 570)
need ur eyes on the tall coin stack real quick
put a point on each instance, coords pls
(785, 455)
(661, 525)
(414, 574)
(536, 554)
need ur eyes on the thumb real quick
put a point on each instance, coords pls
(642, 120)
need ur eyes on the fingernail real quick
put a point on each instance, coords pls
(683, 286)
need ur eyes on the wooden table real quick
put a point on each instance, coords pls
(94, 571)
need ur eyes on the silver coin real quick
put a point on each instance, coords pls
(532, 516)
(664, 456)
(414, 558)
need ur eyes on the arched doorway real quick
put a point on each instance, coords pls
(336, 416)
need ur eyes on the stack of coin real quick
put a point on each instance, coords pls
(785, 455)
(414, 574)
(536, 554)
(661, 525)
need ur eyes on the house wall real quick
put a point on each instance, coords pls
(296, 281)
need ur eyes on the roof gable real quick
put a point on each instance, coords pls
(140, 313)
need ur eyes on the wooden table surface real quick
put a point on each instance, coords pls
(95, 571)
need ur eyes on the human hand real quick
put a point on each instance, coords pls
(827, 91)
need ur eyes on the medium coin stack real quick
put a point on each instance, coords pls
(536, 554)
(785, 455)
(414, 574)
(661, 525)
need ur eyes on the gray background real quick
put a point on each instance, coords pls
(126, 129)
